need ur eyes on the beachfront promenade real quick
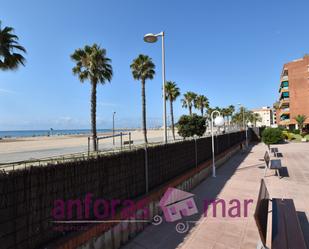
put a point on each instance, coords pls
(41, 147)
(239, 178)
(31, 148)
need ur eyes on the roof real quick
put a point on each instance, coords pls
(173, 195)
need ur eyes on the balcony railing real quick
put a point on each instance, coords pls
(284, 78)
(284, 102)
(285, 110)
(283, 89)
(285, 120)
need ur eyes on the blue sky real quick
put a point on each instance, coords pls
(230, 51)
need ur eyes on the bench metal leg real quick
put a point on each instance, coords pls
(278, 173)
(261, 246)
(265, 171)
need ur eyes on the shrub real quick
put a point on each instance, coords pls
(272, 136)
(288, 135)
(296, 131)
(188, 126)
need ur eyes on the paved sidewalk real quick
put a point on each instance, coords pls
(239, 178)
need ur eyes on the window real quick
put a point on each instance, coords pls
(285, 84)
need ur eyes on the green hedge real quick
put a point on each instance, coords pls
(272, 136)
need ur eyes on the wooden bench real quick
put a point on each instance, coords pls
(286, 231)
(274, 164)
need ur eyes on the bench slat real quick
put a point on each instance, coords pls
(295, 234)
(286, 231)
(279, 236)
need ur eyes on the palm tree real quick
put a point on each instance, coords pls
(276, 105)
(201, 102)
(142, 69)
(93, 65)
(188, 101)
(254, 118)
(10, 59)
(225, 113)
(300, 119)
(172, 93)
(231, 110)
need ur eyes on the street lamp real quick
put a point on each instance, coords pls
(248, 123)
(243, 115)
(114, 128)
(219, 121)
(151, 38)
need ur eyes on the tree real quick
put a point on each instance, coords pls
(231, 110)
(300, 119)
(172, 93)
(142, 69)
(10, 59)
(225, 113)
(188, 101)
(190, 125)
(201, 102)
(93, 65)
(276, 105)
(254, 118)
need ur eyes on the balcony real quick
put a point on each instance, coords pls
(283, 89)
(284, 78)
(285, 95)
(285, 103)
(285, 111)
(284, 122)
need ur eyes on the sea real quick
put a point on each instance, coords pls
(37, 133)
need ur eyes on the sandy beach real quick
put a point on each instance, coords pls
(26, 148)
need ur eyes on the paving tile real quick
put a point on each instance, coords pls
(239, 178)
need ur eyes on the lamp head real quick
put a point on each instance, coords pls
(151, 38)
(219, 121)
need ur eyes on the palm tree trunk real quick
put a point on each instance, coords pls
(172, 118)
(93, 114)
(144, 111)
(202, 111)
(190, 110)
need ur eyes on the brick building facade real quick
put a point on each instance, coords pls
(294, 92)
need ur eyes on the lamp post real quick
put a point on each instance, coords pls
(114, 128)
(219, 121)
(248, 123)
(243, 115)
(151, 38)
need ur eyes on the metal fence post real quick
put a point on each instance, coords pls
(120, 140)
(88, 146)
(195, 143)
(130, 140)
(146, 169)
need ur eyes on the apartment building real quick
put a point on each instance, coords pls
(266, 114)
(294, 93)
